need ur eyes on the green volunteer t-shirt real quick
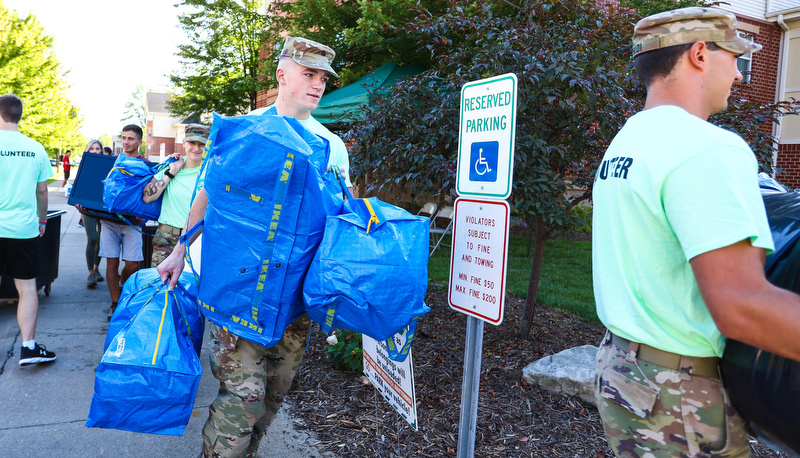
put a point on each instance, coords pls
(178, 196)
(23, 164)
(670, 187)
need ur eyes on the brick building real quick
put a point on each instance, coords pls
(164, 133)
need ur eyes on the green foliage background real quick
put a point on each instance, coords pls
(29, 68)
(220, 67)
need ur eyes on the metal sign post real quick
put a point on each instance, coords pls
(470, 387)
(479, 249)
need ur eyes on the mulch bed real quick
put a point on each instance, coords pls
(515, 419)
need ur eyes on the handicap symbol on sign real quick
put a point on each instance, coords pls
(481, 167)
(483, 160)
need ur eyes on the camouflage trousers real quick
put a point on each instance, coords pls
(253, 381)
(651, 411)
(164, 242)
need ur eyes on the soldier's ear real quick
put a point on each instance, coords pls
(280, 75)
(697, 54)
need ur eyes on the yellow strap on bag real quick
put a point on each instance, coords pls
(122, 170)
(161, 326)
(373, 218)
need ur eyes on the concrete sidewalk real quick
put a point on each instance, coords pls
(43, 408)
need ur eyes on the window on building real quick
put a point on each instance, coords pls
(745, 61)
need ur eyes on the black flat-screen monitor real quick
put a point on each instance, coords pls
(87, 189)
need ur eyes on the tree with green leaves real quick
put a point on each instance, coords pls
(569, 58)
(576, 89)
(105, 139)
(364, 34)
(235, 45)
(646, 8)
(134, 108)
(220, 67)
(29, 68)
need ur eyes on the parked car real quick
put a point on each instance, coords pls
(52, 162)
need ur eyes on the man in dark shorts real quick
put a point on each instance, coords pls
(24, 170)
(66, 166)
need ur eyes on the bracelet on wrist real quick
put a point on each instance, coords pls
(43, 223)
(170, 175)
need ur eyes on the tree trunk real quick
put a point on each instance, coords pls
(530, 236)
(536, 273)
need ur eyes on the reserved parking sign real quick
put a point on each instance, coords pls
(486, 137)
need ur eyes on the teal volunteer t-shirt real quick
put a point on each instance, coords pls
(670, 187)
(23, 164)
(178, 196)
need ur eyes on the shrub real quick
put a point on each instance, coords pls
(347, 353)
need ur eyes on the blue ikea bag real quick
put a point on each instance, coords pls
(125, 183)
(149, 374)
(370, 273)
(268, 198)
(140, 290)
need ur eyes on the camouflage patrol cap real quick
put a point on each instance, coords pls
(687, 26)
(309, 53)
(195, 133)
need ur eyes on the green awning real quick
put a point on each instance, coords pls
(332, 106)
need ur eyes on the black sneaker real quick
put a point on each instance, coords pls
(35, 356)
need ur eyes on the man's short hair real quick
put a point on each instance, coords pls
(135, 129)
(10, 108)
(660, 63)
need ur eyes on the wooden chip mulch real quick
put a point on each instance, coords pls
(349, 418)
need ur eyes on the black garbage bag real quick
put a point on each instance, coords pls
(765, 388)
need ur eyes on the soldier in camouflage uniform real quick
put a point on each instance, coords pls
(254, 379)
(177, 184)
(253, 383)
(679, 239)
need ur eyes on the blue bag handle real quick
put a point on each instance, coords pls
(345, 190)
(163, 165)
(176, 303)
(401, 354)
(159, 286)
(185, 237)
(154, 169)
(180, 307)
(375, 215)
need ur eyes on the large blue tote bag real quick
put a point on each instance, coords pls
(370, 273)
(268, 199)
(148, 377)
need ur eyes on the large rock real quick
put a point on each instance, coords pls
(570, 372)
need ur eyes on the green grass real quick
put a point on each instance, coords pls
(565, 284)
